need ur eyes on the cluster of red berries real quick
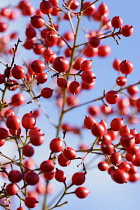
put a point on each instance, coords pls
(59, 59)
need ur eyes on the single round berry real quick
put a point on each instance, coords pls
(126, 67)
(15, 176)
(94, 41)
(61, 64)
(28, 121)
(119, 176)
(82, 192)
(116, 22)
(112, 97)
(56, 145)
(78, 178)
(46, 92)
(47, 166)
(30, 202)
(127, 30)
(46, 7)
(121, 81)
(37, 21)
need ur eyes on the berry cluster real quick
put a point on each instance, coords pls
(62, 71)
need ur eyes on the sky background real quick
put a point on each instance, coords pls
(105, 194)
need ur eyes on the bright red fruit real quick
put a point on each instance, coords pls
(119, 176)
(103, 166)
(74, 87)
(15, 176)
(82, 192)
(69, 153)
(121, 81)
(112, 97)
(37, 21)
(78, 178)
(12, 189)
(46, 92)
(30, 202)
(60, 175)
(18, 72)
(28, 121)
(127, 30)
(116, 22)
(61, 64)
(47, 166)
(94, 41)
(37, 66)
(56, 145)
(46, 7)
(31, 178)
(126, 67)
(13, 122)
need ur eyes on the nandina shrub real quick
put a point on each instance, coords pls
(57, 79)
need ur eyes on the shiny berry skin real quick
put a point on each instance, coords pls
(136, 161)
(116, 22)
(37, 66)
(107, 148)
(78, 178)
(126, 67)
(112, 97)
(49, 175)
(119, 176)
(3, 26)
(69, 153)
(37, 21)
(103, 9)
(124, 166)
(116, 124)
(41, 78)
(61, 64)
(56, 145)
(28, 150)
(121, 81)
(37, 139)
(94, 110)
(82, 192)
(78, 62)
(60, 175)
(3, 133)
(46, 7)
(18, 99)
(97, 130)
(12, 189)
(47, 166)
(48, 54)
(115, 158)
(18, 72)
(104, 50)
(31, 178)
(28, 121)
(103, 166)
(89, 121)
(94, 41)
(133, 90)
(116, 64)
(13, 122)
(127, 30)
(15, 176)
(30, 33)
(88, 77)
(86, 65)
(51, 36)
(127, 140)
(30, 202)
(61, 82)
(46, 92)
(64, 162)
(74, 87)
(90, 10)
(20, 208)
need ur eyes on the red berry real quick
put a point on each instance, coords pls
(62, 82)
(94, 41)
(56, 145)
(46, 92)
(78, 178)
(116, 22)
(30, 202)
(97, 130)
(90, 9)
(61, 64)
(15, 176)
(18, 99)
(37, 21)
(82, 192)
(51, 36)
(12, 189)
(31, 178)
(103, 166)
(116, 124)
(60, 175)
(37, 66)
(3, 133)
(112, 97)
(86, 65)
(46, 7)
(28, 121)
(126, 67)
(63, 161)
(127, 30)
(121, 81)
(69, 153)
(13, 122)
(74, 87)
(119, 176)
(115, 158)
(47, 166)
(89, 121)
(104, 50)
(28, 150)
(88, 77)
(18, 72)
